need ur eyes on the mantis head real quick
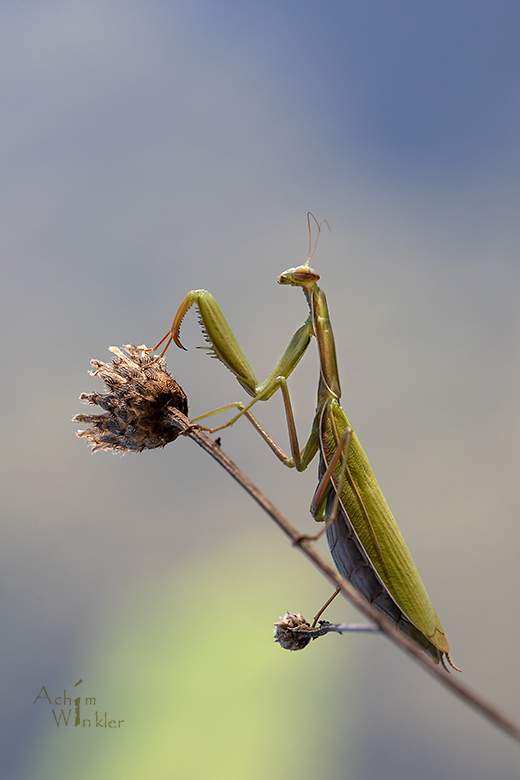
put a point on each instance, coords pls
(302, 276)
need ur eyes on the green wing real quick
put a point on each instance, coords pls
(377, 530)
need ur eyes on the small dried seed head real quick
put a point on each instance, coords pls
(141, 390)
(291, 632)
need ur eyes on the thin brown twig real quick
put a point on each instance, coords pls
(145, 408)
(460, 689)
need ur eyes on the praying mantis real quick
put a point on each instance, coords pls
(364, 539)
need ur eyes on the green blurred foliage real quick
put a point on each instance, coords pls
(191, 667)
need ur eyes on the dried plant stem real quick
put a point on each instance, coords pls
(463, 691)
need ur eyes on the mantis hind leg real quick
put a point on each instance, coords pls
(319, 498)
(324, 484)
(324, 607)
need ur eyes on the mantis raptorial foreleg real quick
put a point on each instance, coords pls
(226, 348)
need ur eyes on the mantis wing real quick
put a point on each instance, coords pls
(367, 545)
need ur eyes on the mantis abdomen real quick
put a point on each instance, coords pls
(353, 563)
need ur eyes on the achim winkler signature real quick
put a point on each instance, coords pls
(83, 715)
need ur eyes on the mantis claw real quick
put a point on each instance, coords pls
(305, 538)
(177, 341)
(187, 303)
(192, 427)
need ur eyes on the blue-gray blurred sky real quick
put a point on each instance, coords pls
(151, 148)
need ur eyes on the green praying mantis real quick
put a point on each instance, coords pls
(364, 539)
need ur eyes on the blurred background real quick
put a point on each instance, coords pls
(150, 148)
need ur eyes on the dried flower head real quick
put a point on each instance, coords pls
(141, 391)
(293, 632)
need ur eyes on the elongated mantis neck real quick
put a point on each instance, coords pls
(322, 329)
